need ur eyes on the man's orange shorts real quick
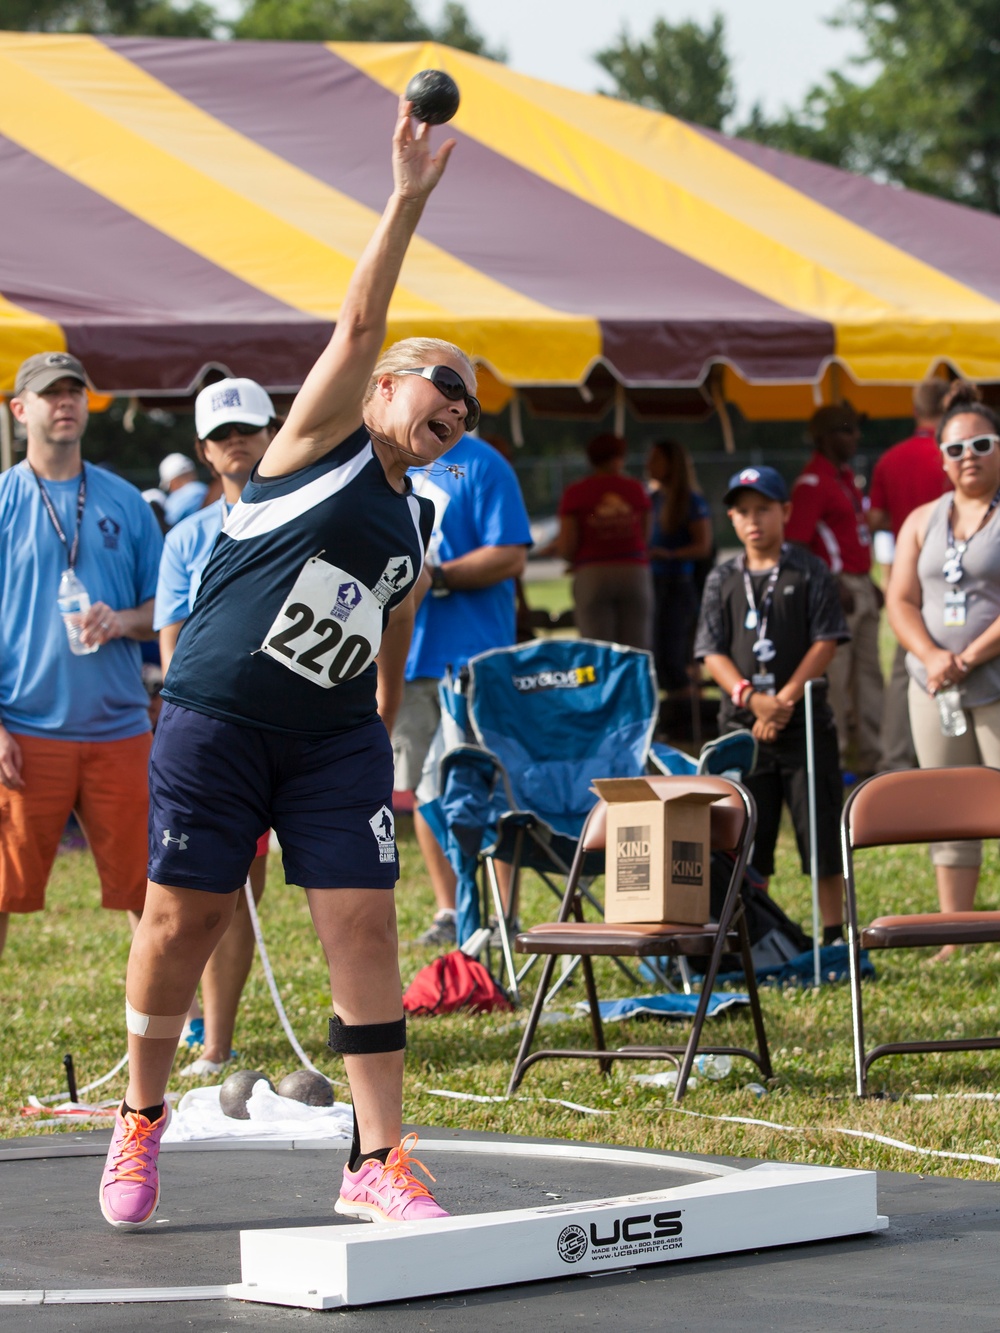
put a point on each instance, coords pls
(106, 783)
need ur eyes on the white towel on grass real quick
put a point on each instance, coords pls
(199, 1116)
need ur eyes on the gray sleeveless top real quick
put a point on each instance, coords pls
(981, 585)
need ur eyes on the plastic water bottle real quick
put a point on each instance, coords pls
(949, 703)
(713, 1066)
(74, 603)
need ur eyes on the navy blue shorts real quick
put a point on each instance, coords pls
(215, 786)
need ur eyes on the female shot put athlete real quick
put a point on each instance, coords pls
(270, 715)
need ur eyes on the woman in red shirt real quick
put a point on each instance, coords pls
(604, 527)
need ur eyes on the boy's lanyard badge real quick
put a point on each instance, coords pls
(763, 648)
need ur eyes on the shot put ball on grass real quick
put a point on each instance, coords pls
(434, 96)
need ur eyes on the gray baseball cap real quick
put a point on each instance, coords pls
(44, 368)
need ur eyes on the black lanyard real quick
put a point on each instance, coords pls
(50, 509)
(763, 649)
(955, 551)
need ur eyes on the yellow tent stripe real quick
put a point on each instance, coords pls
(893, 314)
(102, 120)
(22, 334)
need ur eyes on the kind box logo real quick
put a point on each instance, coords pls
(626, 1237)
(632, 854)
(687, 862)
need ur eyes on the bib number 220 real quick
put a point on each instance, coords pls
(328, 628)
(351, 653)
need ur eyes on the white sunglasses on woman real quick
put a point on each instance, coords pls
(975, 444)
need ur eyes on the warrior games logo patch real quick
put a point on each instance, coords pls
(384, 828)
(348, 597)
(572, 1244)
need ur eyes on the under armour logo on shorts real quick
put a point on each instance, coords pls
(181, 842)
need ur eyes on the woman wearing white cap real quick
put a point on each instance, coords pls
(235, 422)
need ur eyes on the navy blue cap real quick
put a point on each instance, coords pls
(767, 480)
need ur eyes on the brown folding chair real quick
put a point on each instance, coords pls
(733, 824)
(919, 805)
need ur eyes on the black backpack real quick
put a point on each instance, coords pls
(774, 937)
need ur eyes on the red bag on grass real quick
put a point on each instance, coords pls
(454, 982)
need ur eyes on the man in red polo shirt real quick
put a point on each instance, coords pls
(828, 516)
(907, 475)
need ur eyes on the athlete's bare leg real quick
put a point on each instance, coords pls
(177, 933)
(357, 928)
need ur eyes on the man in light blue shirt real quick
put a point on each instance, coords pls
(74, 729)
(477, 550)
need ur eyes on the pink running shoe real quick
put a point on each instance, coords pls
(389, 1193)
(130, 1186)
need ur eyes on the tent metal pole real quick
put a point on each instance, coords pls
(813, 848)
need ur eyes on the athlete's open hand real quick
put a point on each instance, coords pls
(415, 169)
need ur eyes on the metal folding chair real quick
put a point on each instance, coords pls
(733, 825)
(919, 805)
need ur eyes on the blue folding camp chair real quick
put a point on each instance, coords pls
(543, 720)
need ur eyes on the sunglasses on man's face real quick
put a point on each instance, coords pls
(450, 383)
(976, 444)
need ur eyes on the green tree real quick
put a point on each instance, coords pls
(928, 114)
(152, 18)
(680, 68)
(358, 21)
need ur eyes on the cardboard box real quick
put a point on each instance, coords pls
(658, 853)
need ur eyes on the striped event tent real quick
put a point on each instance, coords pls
(167, 207)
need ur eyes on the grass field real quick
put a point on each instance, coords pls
(62, 989)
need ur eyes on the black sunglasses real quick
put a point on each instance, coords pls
(976, 444)
(450, 383)
(223, 432)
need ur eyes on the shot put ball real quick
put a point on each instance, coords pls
(434, 95)
(236, 1090)
(305, 1086)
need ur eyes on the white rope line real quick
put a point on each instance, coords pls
(748, 1120)
(272, 984)
(837, 1129)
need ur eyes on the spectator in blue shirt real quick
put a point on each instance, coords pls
(185, 494)
(477, 550)
(74, 720)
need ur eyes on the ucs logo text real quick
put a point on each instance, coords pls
(637, 1228)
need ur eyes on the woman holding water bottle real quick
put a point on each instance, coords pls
(943, 603)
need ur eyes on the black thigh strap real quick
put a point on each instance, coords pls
(366, 1038)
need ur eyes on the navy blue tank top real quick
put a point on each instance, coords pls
(296, 595)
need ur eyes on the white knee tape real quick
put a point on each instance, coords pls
(150, 1025)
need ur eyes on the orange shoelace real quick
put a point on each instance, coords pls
(133, 1150)
(399, 1168)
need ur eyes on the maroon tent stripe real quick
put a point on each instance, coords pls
(531, 236)
(962, 242)
(141, 310)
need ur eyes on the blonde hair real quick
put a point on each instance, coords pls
(412, 352)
